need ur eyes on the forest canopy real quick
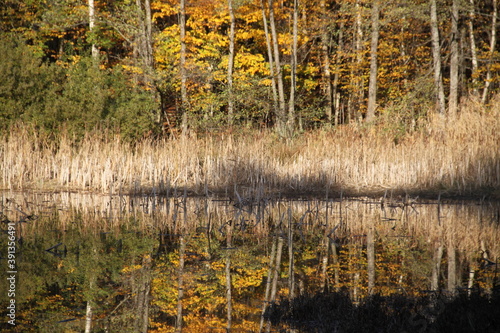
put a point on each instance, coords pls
(147, 67)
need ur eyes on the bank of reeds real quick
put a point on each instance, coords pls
(454, 156)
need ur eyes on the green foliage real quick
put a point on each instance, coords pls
(79, 98)
(42, 94)
(27, 83)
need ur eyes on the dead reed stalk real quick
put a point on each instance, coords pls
(459, 156)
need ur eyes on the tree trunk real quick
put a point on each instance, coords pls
(276, 275)
(470, 282)
(436, 54)
(281, 116)
(271, 62)
(357, 80)
(230, 65)
(354, 268)
(452, 268)
(229, 302)
(493, 43)
(94, 50)
(268, 284)
(142, 282)
(276, 272)
(180, 277)
(88, 318)
(338, 118)
(143, 43)
(370, 252)
(335, 261)
(436, 267)
(453, 97)
(148, 35)
(89, 312)
(372, 87)
(324, 250)
(291, 267)
(182, 64)
(473, 50)
(293, 74)
(327, 77)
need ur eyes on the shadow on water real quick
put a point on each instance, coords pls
(162, 263)
(336, 312)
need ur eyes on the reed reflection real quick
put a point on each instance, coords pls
(171, 263)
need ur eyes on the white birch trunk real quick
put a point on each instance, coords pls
(94, 50)
(281, 116)
(493, 43)
(372, 86)
(453, 97)
(473, 49)
(182, 64)
(230, 65)
(436, 54)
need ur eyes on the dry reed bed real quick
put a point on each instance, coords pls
(460, 155)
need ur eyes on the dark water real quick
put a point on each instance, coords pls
(160, 264)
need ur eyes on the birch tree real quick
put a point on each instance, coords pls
(372, 86)
(94, 50)
(293, 74)
(281, 116)
(453, 97)
(493, 43)
(327, 77)
(370, 253)
(270, 58)
(473, 49)
(180, 284)
(336, 79)
(182, 64)
(436, 55)
(230, 65)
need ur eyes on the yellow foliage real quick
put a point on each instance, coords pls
(133, 69)
(164, 8)
(131, 269)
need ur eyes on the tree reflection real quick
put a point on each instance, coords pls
(200, 265)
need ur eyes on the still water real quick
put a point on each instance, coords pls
(75, 262)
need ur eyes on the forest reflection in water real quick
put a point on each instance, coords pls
(208, 264)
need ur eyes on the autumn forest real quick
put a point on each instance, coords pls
(289, 65)
(249, 166)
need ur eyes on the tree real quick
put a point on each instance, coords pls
(305, 63)
(436, 54)
(356, 84)
(182, 65)
(95, 51)
(453, 97)
(493, 43)
(473, 49)
(230, 64)
(270, 59)
(325, 41)
(335, 90)
(281, 116)
(372, 89)
(370, 253)
(293, 74)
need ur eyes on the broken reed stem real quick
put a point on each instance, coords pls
(460, 156)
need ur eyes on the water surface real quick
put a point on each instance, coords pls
(160, 263)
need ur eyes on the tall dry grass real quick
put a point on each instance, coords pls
(454, 156)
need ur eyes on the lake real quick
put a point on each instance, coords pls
(75, 262)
